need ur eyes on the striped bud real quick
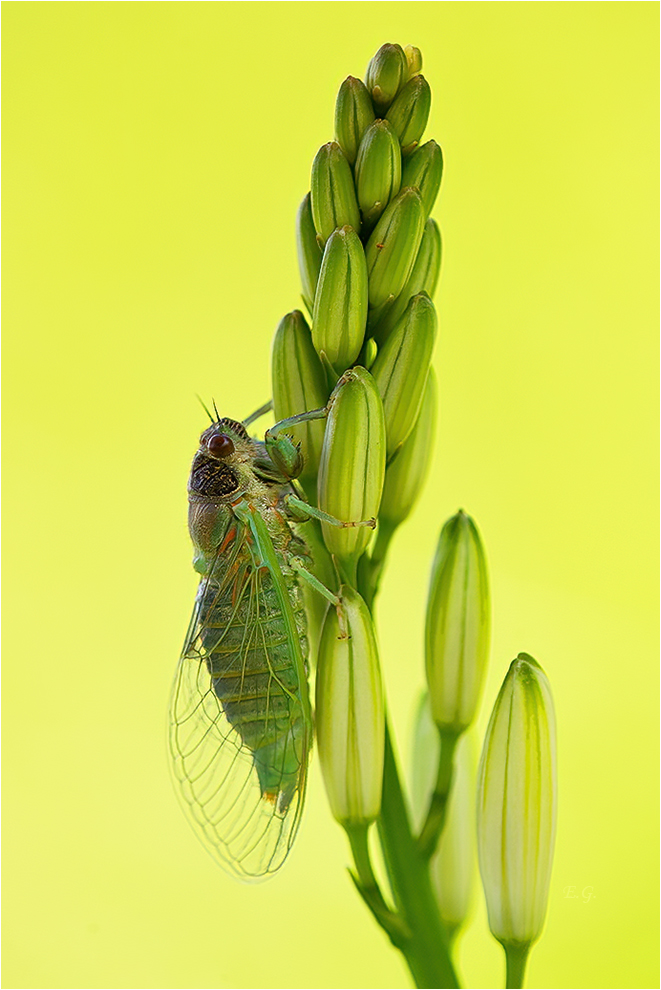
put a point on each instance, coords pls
(414, 60)
(353, 115)
(393, 246)
(457, 627)
(350, 711)
(309, 252)
(378, 171)
(452, 866)
(406, 474)
(299, 385)
(410, 111)
(423, 278)
(340, 303)
(333, 196)
(386, 73)
(401, 367)
(516, 809)
(353, 460)
(424, 170)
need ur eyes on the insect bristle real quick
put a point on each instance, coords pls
(204, 406)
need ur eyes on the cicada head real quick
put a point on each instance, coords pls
(220, 474)
(221, 466)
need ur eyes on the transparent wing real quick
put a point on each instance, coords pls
(242, 787)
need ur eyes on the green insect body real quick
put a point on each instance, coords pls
(241, 724)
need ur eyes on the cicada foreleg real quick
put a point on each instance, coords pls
(282, 449)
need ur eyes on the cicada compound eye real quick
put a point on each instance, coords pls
(220, 445)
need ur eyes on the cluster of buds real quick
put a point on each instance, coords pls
(369, 258)
(369, 255)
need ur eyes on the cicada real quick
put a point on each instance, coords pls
(240, 716)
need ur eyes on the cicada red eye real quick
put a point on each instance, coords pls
(220, 445)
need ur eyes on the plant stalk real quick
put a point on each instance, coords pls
(435, 820)
(517, 957)
(427, 950)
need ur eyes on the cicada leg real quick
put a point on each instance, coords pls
(283, 450)
(258, 413)
(325, 592)
(302, 510)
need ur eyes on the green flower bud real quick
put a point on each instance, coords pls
(353, 115)
(516, 808)
(453, 863)
(414, 60)
(309, 252)
(350, 712)
(333, 194)
(423, 278)
(409, 113)
(393, 246)
(424, 170)
(401, 367)
(353, 459)
(340, 302)
(458, 625)
(385, 75)
(299, 385)
(406, 474)
(378, 170)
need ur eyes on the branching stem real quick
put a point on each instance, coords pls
(438, 804)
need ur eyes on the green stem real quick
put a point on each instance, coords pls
(433, 826)
(372, 566)
(517, 957)
(427, 950)
(368, 887)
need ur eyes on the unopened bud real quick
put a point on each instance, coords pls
(458, 624)
(299, 385)
(350, 713)
(333, 194)
(386, 73)
(405, 475)
(410, 111)
(414, 59)
(401, 367)
(352, 468)
(378, 170)
(423, 278)
(340, 304)
(353, 115)
(393, 246)
(309, 252)
(516, 806)
(424, 170)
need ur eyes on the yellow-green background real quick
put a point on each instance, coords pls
(154, 157)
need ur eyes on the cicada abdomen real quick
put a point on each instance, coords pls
(248, 653)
